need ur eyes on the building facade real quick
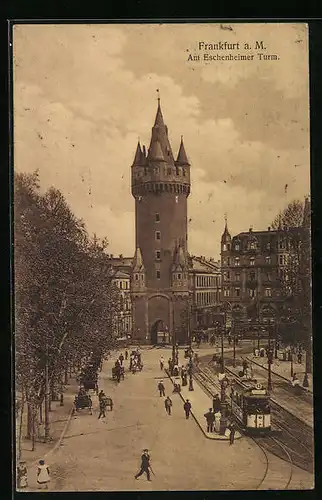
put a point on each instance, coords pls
(159, 274)
(205, 284)
(252, 264)
(122, 326)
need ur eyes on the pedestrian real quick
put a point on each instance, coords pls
(256, 352)
(168, 405)
(170, 365)
(217, 421)
(299, 357)
(22, 475)
(232, 429)
(187, 408)
(102, 404)
(175, 370)
(101, 395)
(126, 355)
(145, 465)
(210, 418)
(161, 388)
(245, 366)
(121, 358)
(43, 474)
(216, 404)
(161, 363)
(229, 339)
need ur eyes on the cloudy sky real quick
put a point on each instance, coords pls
(83, 94)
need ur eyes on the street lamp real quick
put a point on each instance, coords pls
(190, 346)
(234, 345)
(269, 360)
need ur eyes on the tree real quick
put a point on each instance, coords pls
(295, 274)
(64, 296)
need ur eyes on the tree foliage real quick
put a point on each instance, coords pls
(64, 297)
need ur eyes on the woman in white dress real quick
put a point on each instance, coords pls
(43, 476)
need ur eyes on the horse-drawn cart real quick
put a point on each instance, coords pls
(83, 401)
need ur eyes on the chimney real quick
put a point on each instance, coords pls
(250, 229)
(111, 256)
(121, 256)
(269, 228)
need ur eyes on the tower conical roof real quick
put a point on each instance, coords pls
(138, 261)
(160, 134)
(182, 156)
(155, 152)
(138, 155)
(226, 235)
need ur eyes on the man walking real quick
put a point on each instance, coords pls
(187, 408)
(145, 465)
(232, 429)
(102, 403)
(168, 405)
(161, 363)
(161, 388)
(210, 418)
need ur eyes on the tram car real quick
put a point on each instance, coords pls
(250, 406)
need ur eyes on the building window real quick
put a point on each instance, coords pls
(282, 260)
(268, 246)
(158, 274)
(268, 292)
(158, 254)
(228, 247)
(179, 276)
(252, 261)
(252, 245)
(157, 217)
(158, 235)
(237, 261)
(281, 244)
(228, 261)
(252, 293)
(237, 292)
(177, 170)
(252, 276)
(226, 292)
(237, 247)
(142, 277)
(237, 276)
(267, 260)
(136, 277)
(228, 275)
(169, 170)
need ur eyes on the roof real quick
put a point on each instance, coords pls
(202, 265)
(121, 274)
(182, 156)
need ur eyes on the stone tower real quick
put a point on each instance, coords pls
(159, 280)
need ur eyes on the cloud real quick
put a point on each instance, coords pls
(81, 104)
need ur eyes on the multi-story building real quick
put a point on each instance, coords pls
(251, 265)
(205, 284)
(122, 323)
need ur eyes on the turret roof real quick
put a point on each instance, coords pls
(138, 155)
(155, 152)
(160, 134)
(182, 156)
(138, 261)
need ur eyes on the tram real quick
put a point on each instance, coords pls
(250, 406)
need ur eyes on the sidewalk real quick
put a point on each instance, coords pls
(60, 417)
(283, 369)
(200, 404)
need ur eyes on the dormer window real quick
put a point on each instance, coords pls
(179, 276)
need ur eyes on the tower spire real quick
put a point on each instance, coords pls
(182, 156)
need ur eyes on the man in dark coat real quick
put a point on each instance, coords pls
(145, 465)
(232, 429)
(168, 405)
(102, 403)
(216, 404)
(210, 418)
(187, 408)
(161, 388)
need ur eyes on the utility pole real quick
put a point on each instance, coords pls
(234, 346)
(269, 361)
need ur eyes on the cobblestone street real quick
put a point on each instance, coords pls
(104, 455)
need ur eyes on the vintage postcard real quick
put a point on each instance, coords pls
(162, 257)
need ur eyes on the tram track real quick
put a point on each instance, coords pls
(291, 440)
(275, 477)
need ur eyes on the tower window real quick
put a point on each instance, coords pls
(224, 247)
(158, 254)
(157, 217)
(184, 172)
(158, 235)
(158, 274)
